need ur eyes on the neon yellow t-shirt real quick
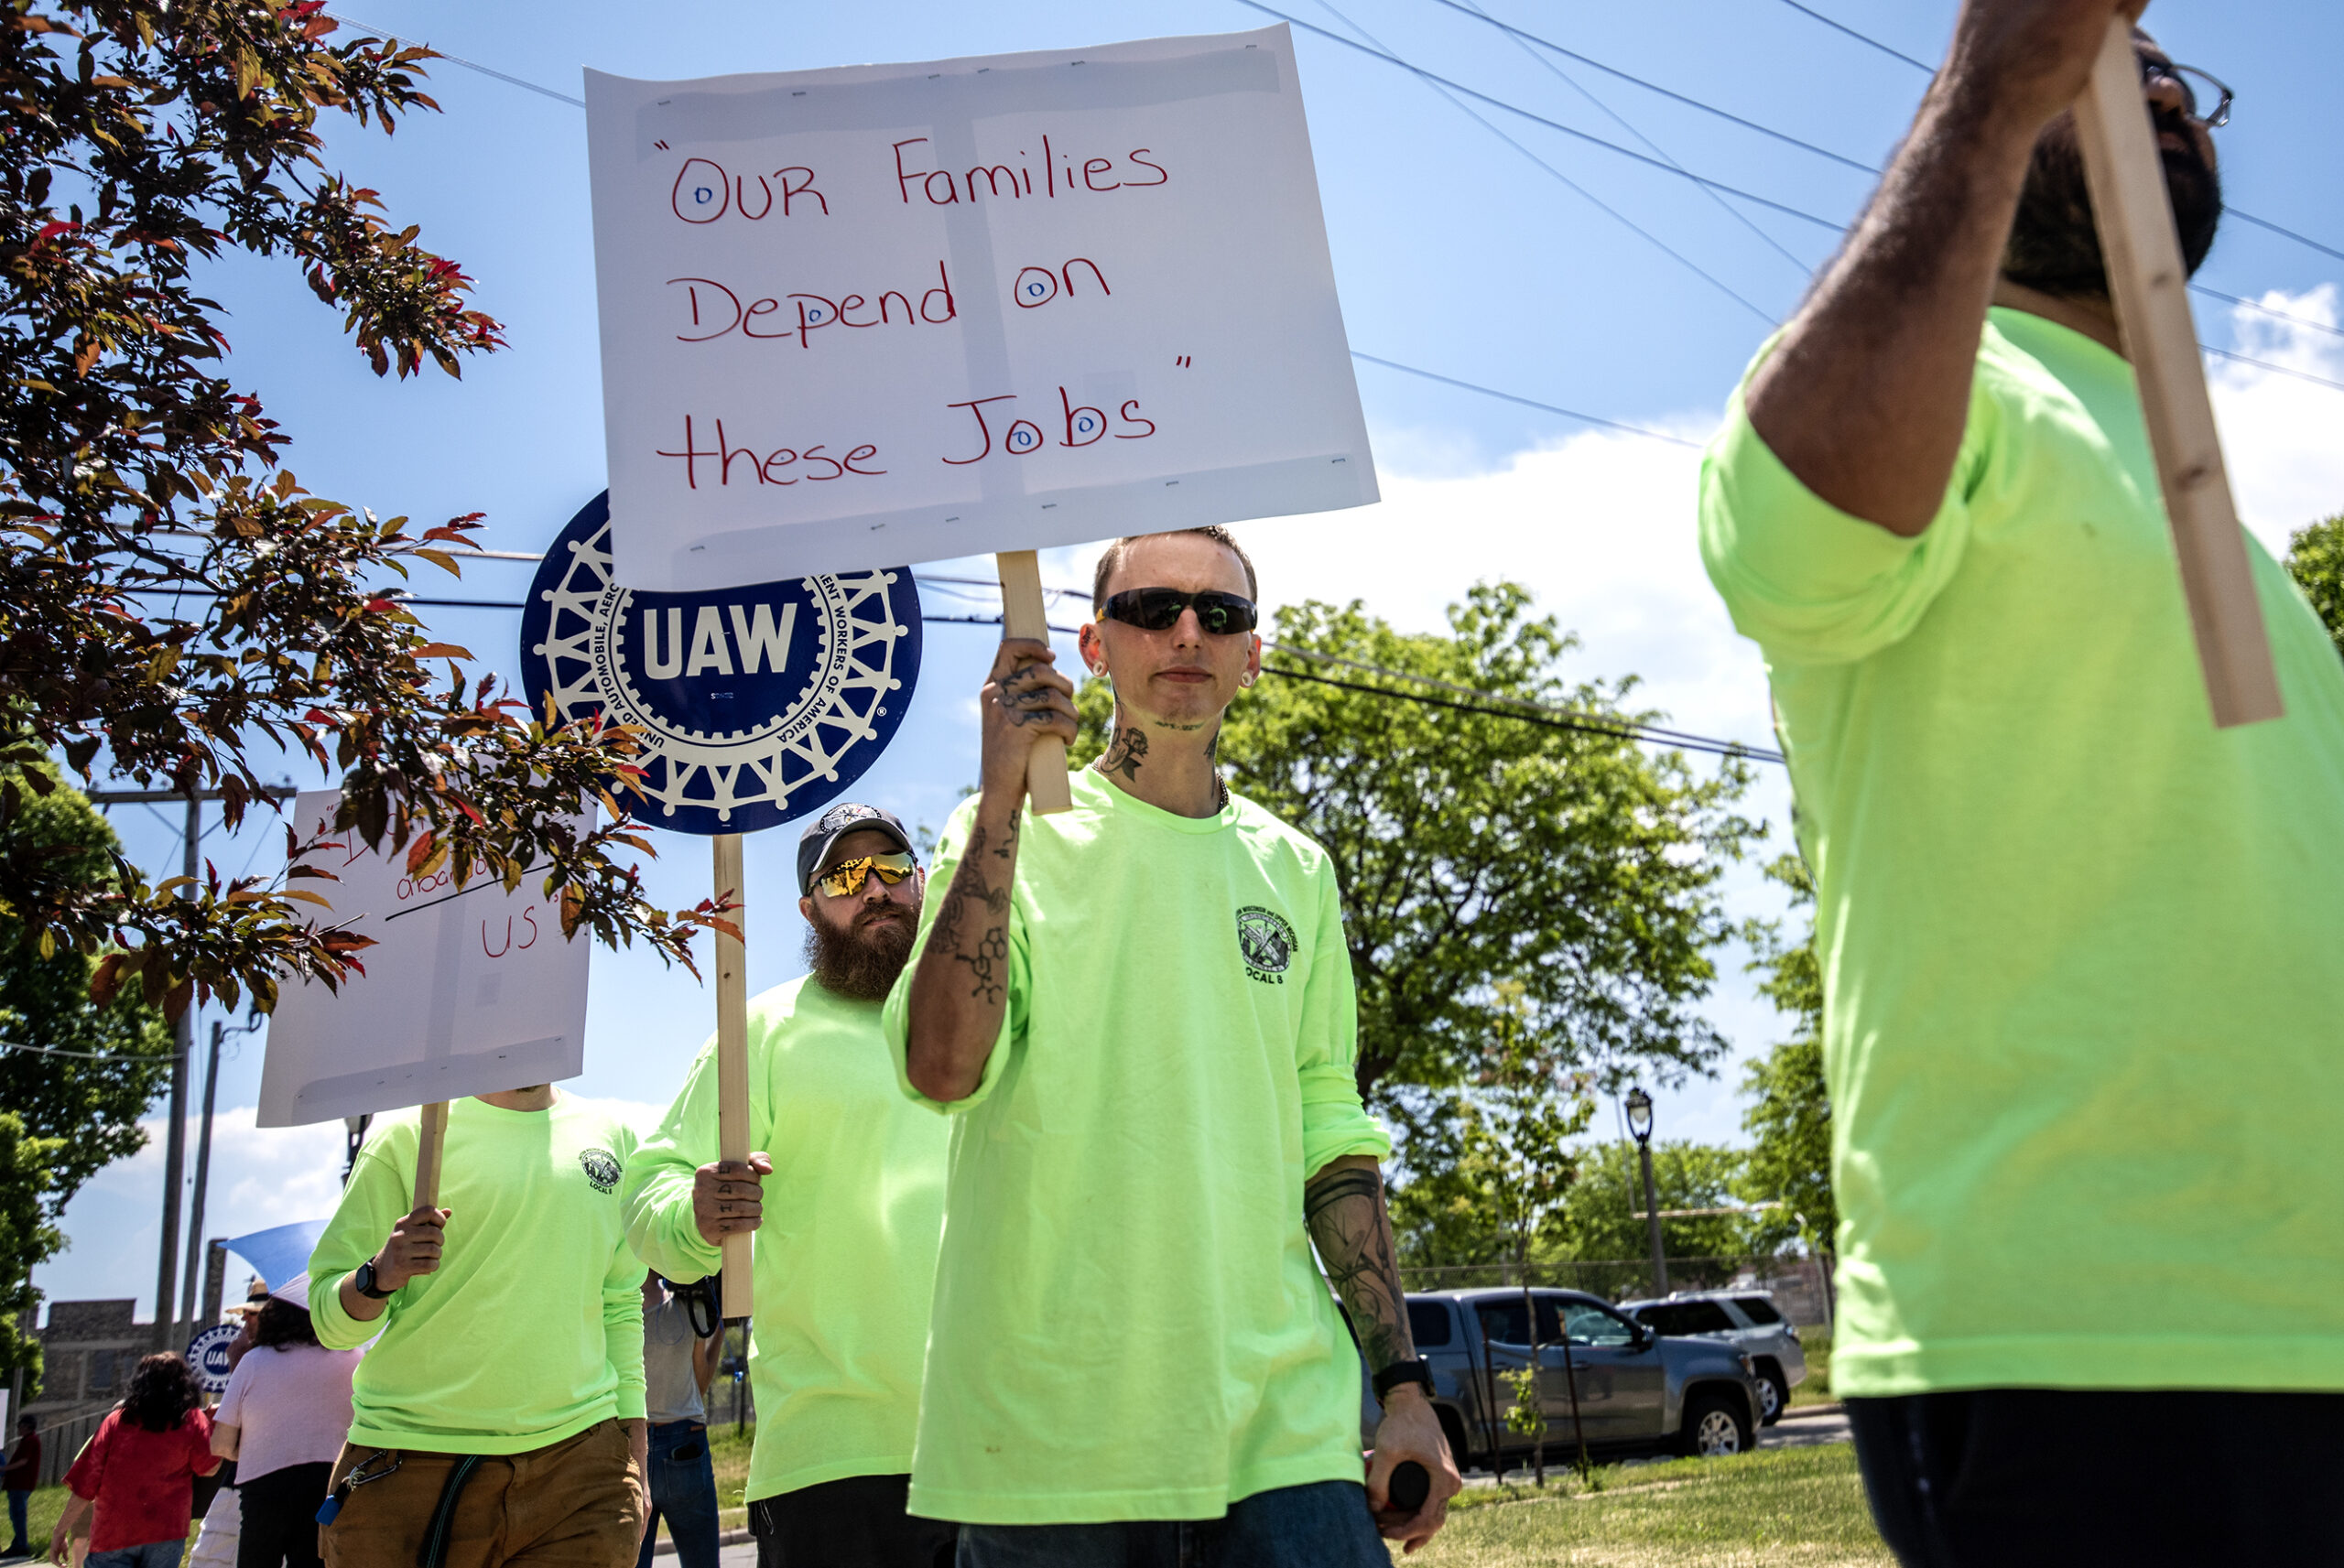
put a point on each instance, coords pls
(2080, 949)
(1129, 1322)
(844, 1264)
(531, 1329)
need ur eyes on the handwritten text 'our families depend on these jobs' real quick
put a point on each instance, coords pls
(705, 191)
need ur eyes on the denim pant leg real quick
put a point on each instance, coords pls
(1322, 1524)
(1134, 1544)
(17, 1502)
(683, 1492)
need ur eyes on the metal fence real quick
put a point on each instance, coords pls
(1799, 1285)
(62, 1438)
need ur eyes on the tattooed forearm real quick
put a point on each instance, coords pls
(987, 956)
(1127, 754)
(1343, 1207)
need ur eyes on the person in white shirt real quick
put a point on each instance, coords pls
(283, 1421)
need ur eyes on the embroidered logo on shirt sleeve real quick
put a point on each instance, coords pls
(1266, 943)
(602, 1168)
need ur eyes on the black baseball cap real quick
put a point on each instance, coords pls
(847, 817)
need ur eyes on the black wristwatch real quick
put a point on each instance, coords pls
(1413, 1371)
(363, 1278)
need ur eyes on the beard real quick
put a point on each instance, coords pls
(860, 961)
(2054, 243)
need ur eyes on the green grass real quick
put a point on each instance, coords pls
(1786, 1506)
(730, 1456)
(1816, 1389)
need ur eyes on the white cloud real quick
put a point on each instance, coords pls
(2283, 437)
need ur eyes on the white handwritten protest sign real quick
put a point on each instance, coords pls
(910, 311)
(468, 990)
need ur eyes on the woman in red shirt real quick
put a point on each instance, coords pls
(140, 1471)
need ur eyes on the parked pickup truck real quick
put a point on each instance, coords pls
(1638, 1392)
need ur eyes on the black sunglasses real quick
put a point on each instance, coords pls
(1158, 609)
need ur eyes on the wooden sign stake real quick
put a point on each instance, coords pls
(2142, 250)
(1023, 614)
(732, 1056)
(428, 1149)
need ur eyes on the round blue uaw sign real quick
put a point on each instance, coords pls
(756, 704)
(207, 1357)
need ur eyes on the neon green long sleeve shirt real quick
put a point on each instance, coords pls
(531, 1329)
(2080, 949)
(844, 1264)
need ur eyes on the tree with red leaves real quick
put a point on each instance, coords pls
(175, 609)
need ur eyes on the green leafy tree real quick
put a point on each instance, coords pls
(1789, 1114)
(1513, 1161)
(28, 1237)
(1606, 1223)
(2316, 559)
(1481, 841)
(69, 1115)
(169, 595)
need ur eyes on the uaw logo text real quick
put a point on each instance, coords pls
(757, 704)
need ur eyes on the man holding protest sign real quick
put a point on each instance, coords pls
(1141, 1014)
(843, 1276)
(499, 1417)
(2080, 944)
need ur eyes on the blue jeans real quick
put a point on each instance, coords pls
(154, 1554)
(1322, 1525)
(16, 1503)
(683, 1492)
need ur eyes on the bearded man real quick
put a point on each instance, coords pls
(841, 1281)
(2079, 947)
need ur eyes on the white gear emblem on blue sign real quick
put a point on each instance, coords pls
(757, 704)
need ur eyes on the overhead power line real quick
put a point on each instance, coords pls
(1629, 153)
(1530, 402)
(92, 1055)
(1623, 732)
(1548, 65)
(458, 60)
(1663, 164)
(2290, 233)
(2267, 309)
(1860, 37)
(1580, 190)
(1495, 704)
(2273, 369)
(1924, 66)
(1543, 43)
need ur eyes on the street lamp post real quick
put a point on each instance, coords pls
(1639, 1124)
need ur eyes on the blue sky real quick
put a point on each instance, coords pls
(1453, 251)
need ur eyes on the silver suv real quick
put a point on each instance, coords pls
(1748, 1319)
(1634, 1390)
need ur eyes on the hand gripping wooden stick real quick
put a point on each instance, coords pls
(1023, 614)
(2142, 250)
(429, 1149)
(733, 1057)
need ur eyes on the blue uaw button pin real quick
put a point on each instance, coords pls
(756, 704)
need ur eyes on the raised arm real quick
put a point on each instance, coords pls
(959, 991)
(1866, 396)
(1343, 1208)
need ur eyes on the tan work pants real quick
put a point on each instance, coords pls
(573, 1504)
